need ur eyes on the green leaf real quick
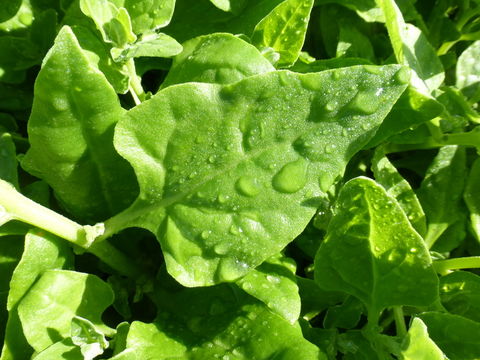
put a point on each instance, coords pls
(112, 22)
(472, 197)
(8, 160)
(64, 349)
(216, 58)
(88, 337)
(274, 284)
(372, 252)
(412, 48)
(417, 345)
(441, 190)
(47, 319)
(152, 45)
(397, 187)
(8, 9)
(71, 132)
(460, 294)
(223, 323)
(468, 69)
(456, 336)
(284, 30)
(411, 110)
(353, 43)
(149, 15)
(233, 6)
(55, 254)
(225, 200)
(345, 316)
(10, 251)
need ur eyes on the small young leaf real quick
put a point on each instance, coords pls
(397, 187)
(216, 58)
(151, 45)
(274, 284)
(372, 252)
(441, 190)
(149, 15)
(284, 30)
(88, 337)
(417, 345)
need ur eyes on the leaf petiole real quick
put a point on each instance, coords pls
(15, 206)
(446, 266)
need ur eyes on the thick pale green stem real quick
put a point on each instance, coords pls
(21, 208)
(15, 206)
(445, 266)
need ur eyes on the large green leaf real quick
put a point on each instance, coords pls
(71, 131)
(226, 199)
(217, 58)
(223, 323)
(468, 69)
(372, 252)
(47, 319)
(441, 190)
(283, 30)
(455, 335)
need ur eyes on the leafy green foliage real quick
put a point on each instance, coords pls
(239, 179)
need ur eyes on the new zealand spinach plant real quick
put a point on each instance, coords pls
(239, 179)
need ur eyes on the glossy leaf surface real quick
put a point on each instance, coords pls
(417, 345)
(460, 294)
(372, 252)
(472, 197)
(218, 59)
(71, 132)
(283, 30)
(241, 189)
(47, 319)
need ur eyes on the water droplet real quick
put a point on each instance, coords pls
(25, 18)
(60, 103)
(395, 256)
(330, 106)
(329, 148)
(325, 181)
(222, 248)
(365, 102)
(247, 186)
(222, 199)
(234, 230)
(205, 234)
(273, 279)
(211, 159)
(413, 250)
(292, 177)
(231, 269)
(336, 74)
(403, 75)
(344, 132)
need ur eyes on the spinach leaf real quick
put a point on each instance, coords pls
(71, 132)
(372, 252)
(218, 201)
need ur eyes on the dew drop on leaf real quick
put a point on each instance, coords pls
(247, 186)
(365, 102)
(291, 178)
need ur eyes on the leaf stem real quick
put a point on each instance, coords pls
(444, 267)
(399, 321)
(15, 206)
